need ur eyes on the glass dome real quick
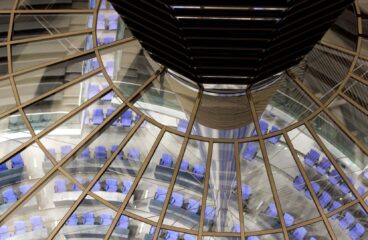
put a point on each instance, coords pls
(98, 141)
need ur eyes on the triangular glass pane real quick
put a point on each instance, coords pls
(7, 100)
(357, 91)
(130, 228)
(312, 231)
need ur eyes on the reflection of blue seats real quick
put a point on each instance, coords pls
(88, 218)
(96, 187)
(189, 237)
(299, 233)
(101, 22)
(198, 171)
(347, 220)
(105, 219)
(123, 222)
(344, 188)
(93, 89)
(23, 189)
(263, 126)
(356, 231)
(252, 238)
(325, 199)
(126, 118)
(111, 185)
(166, 160)
(109, 66)
(271, 210)
(209, 213)
(114, 148)
(113, 22)
(184, 165)
(246, 191)
(193, 205)
(100, 152)
(335, 205)
(275, 139)
(74, 186)
(4, 232)
(171, 235)
(334, 177)
(98, 116)
(182, 125)
(108, 97)
(250, 151)
(65, 150)
(9, 196)
(72, 220)
(107, 40)
(108, 114)
(299, 183)
(37, 223)
(177, 199)
(126, 186)
(52, 151)
(152, 230)
(3, 167)
(60, 185)
(20, 227)
(85, 154)
(17, 161)
(289, 219)
(316, 187)
(134, 154)
(103, 4)
(323, 166)
(311, 158)
(160, 194)
(365, 174)
(236, 228)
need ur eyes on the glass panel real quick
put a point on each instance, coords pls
(13, 132)
(4, 25)
(221, 238)
(168, 102)
(7, 100)
(350, 158)
(313, 231)
(278, 236)
(222, 210)
(350, 224)
(129, 228)
(38, 82)
(357, 91)
(90, 220)
(129, 66)
(3, 61)
(152, 188)
(66, 136)
(19, 173)
(26, 55)
(34, 25)
(171, 234)
(42, 4)
(45, 112)
(119, 177)
(258, 204)
(39, 215)
(282, 104)
(331, 190)
(6, 4)
(185, 208)
(360, 68)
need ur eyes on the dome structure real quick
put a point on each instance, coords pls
(99, 140)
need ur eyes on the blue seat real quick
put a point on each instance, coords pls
(347, 220)
(311, 158)
(299, 233)
(250, 151)
(263, 126)
(365, 174)
(193, 205)
(103, 4)
(107, 98)
(126, 186)
(152, 230)
(20, 227)
(113, 22)
(17, 161)
(236, 228)
(209, 213)
(3, 167)
(114, 148)
(334, 177)
(344, 188)
(252, 238)
(4, 232)
(65, 150)
(126, 118)
(100, 152)
(93, 90)
(357, 231)
(325, 199)
(98, 116)
(246, 191)
(37, 223)
(107, 40)
(75, 187)
(88, 218)
(96, 187)
(172, 235)
(85, 154)
(111, 185)
(275, 139)
(271, 210)
(184, 165)
(101, 22)
(189, 237)
(316, 188)
(9, 196)
(199, 171)
(335, 205)
(160, 194)
(299, 183)
(105, 219)
(177, 199)
(52, 151)
(72, 220)
(166, 160)
(134, 154)
(109, 66)
(23, 189)
(123, 222)
(182, 125)
(60, 185)
(323, 166)
(289, 219)
(108, 114)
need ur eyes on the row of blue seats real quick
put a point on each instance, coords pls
(104, 5)
(112, 22)
(16, 162)
(10, 195)
(100, 152)
(109, 185)
(171, 235)
(20, 227)
(89, 218)
(98, 116)
(198, 170)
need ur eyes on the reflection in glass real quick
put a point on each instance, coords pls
(356, 91)
(4, 25)
(313, 231)
(71, 4)
(129, 228)
(3, 61)
(7, 100)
